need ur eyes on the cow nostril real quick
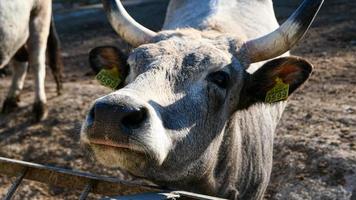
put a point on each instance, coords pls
(134, 119)
(114, 116)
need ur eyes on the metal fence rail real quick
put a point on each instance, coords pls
(86, 182)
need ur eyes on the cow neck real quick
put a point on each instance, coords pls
(248, 147)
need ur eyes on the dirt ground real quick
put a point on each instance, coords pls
(315, 144)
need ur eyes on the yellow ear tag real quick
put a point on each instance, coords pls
(109, 78)
(278, 93)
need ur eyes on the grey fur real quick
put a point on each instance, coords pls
(195, 137)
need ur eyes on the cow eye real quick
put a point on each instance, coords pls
(220, 78)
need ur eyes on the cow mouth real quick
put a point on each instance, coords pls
(112, 144)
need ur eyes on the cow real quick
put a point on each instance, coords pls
(26, 30)
(199, 101)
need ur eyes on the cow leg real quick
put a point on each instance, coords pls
(39, 30)
(18, 79)
(4, 71)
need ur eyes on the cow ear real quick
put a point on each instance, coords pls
(275, 81)
(109, 59)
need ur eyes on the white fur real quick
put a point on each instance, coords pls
(19, 26)
(247, 19)
(155, 137)
(244, 17)
(18, 79)
(14, 29)
(39, 27)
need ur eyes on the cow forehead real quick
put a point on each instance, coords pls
(183, 51)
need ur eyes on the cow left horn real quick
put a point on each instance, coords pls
(131, 31)
(286, 36)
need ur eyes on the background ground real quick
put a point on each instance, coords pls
(315, 146)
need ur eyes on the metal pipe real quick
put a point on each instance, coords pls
(86, 190)
(16, 184)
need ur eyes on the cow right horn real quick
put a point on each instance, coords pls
(131, 31)
(286, 36)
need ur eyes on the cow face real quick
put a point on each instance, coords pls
(167, 120)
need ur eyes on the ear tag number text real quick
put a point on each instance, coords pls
(109, 78)
(278, 93)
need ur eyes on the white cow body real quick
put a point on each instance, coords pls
(14, 29)
(247, 19)
(24, 31)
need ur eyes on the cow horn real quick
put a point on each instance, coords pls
(131, 31)
(286, 36)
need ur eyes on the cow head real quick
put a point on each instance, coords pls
(181, 88)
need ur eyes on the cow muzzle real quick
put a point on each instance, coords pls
(123, 117)
(123, 123)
